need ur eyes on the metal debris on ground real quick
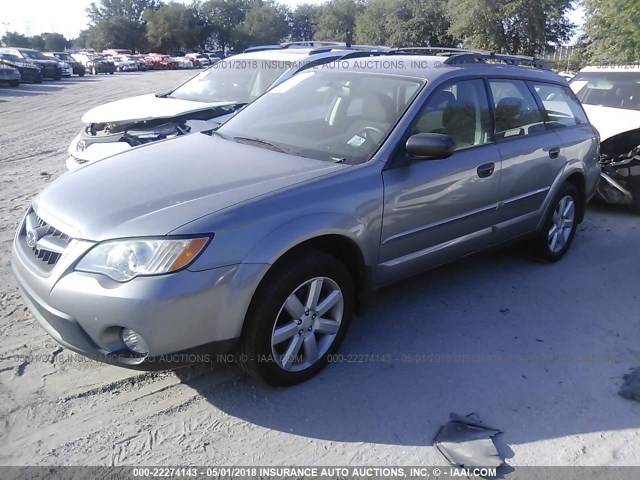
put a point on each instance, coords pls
(466, 442)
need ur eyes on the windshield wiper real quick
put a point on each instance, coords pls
(264, 143)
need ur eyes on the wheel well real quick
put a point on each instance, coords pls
(345, 250)
(577, 180)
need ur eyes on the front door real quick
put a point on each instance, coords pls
(437, 210)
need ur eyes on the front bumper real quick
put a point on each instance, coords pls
(31, 75)
(174, 313)
(9, 76)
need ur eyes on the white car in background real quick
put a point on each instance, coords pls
(611, 97)
(202, 103)
(204, 61)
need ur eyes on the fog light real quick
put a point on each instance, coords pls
(134, 341)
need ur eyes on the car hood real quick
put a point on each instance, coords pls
(15, 64)
(145, 107)
(612, 121)
(38, 61)
(153, 190)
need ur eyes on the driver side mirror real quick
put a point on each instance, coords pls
(430, 146)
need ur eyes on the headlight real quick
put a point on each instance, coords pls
(123, 260)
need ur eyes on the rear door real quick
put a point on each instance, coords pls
(531, 156)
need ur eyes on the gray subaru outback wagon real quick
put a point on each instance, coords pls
(262, 237)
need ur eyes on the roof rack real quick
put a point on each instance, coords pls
(436, 50)
(459, 56)
(491, 57)
(303, 43)
(344, 46)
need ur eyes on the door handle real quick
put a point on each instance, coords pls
(554, 152)
(486, 170)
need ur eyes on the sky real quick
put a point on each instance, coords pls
(68, 17)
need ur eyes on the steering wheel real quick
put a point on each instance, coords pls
(364, 132)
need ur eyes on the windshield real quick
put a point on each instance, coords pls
(64, 56)
(239, 81)
(11, 58)
(608, 89)
(34, 55)
(326, 115)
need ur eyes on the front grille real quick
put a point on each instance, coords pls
(45, 241)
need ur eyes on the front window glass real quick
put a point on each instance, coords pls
(460, 110)
(608, 89)
(239, 81)
(326, 115)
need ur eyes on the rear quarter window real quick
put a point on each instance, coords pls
(560, 107)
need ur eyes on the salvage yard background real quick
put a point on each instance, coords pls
(535, 350)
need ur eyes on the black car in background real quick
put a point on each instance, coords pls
(48, 68)
(28, 71)
(78, 68)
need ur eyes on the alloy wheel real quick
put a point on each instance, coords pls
(562, 224)
(307, 324)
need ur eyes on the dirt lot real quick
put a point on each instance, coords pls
(536, 350)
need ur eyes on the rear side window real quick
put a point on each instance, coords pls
(560, 106)
(516, 111)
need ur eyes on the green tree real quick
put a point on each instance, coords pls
(172, 27)
(54, 42)
(15, 39)
(130, 9)
(510, 26)
(612, 29)
(266, 22)
(303, 20)
(117, 24)
(337, 22)
(404, 23)
(221, 18)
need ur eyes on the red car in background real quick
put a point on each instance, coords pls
(160, 61)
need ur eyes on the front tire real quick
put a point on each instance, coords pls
(555, 237)
(297, 318)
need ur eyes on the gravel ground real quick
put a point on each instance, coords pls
(536, 350)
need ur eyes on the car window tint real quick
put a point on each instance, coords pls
(560, 107)
(460, 110)
(516, 112)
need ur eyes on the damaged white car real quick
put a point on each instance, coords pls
(611, 97)
(200, 104)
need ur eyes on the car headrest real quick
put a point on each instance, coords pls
(378, 108)
(509, 112)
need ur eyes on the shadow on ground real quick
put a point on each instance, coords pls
(536, 350)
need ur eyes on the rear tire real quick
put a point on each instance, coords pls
(297, 318)
(559, 228)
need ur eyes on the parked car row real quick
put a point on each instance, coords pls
(28, 65)
(287, 190)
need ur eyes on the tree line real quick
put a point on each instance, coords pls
(526, 27)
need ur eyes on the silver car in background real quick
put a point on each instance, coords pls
(262, 237)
